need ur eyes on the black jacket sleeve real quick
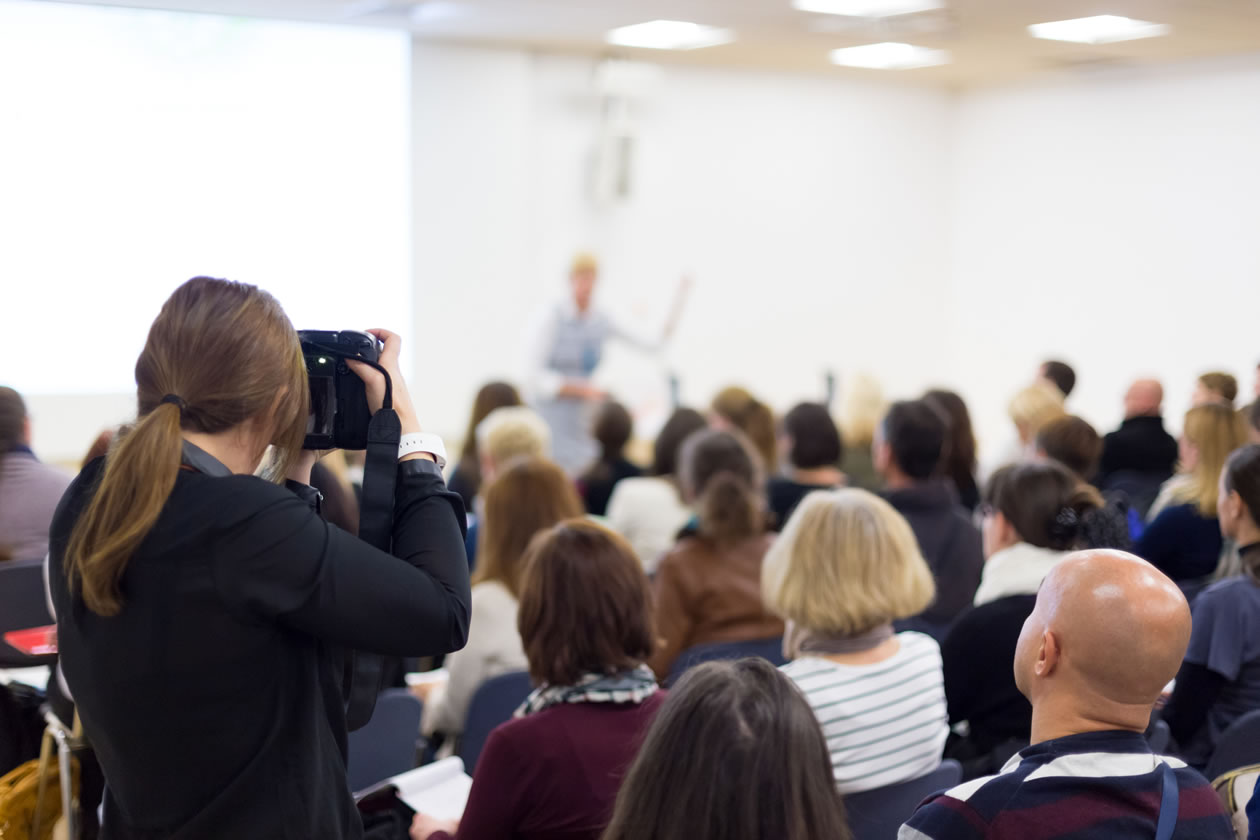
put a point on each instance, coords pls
(282, 562)
(1196, 691)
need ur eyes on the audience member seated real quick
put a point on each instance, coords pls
(1034, 514)
(1060, 375)
(1140, 455)
(1033, 407)
(1184, 539)
(708, 587)
(29, 489)
(736, 408)
(1220, 679)
(847, 567)
(735, 754)
(1254, 431)
(100, 446)
(613, 429)
(649, 511)
(506, 434)
(339, 505)
(466, 477)
(1217, 388)
(529, 496)
(861, 409)
(1251, 411)
(1075, 444)
(1107, 633)
(809, 443)
(908, 449)
(960, 450)
(586, 622)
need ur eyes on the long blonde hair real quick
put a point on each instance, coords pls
(1215, 430)
(228, 351)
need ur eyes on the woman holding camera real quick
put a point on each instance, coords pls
(199, 606)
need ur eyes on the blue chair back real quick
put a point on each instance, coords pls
(1239, 746)
(770, 649)
(878, 814)
(22, 605)
(386, 746)
(492, 705)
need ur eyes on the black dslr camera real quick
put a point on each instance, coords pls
(339, 414)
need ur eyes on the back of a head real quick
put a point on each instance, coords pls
(751, 416)
(917, 435)
(1144, 398)
(1044, 502)
(530, 495)
(1242, 476)
(722, 479)
(513, 432)
(1223, 386)
(815, 438)
(1061, 375)
(1035, 405)
(1121, 628)
(862, 405)
(613, 429)
(585, 604)
(258, 376)
(683, 423)
(1214, 430)
(735, 753)
(960, 453)
(1073, 443)
(12, 419)
(491, 396)
(845, 563)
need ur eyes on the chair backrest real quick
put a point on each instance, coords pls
(1159, 736)
(22, 605)
(386, 746)
(878, 814)
(492, 705)
(770, 649)
(1238, 746)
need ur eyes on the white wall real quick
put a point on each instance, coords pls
(1111, 221)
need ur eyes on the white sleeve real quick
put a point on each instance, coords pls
(540, 379)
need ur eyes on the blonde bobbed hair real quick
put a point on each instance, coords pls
(846, 562)
(1034, 406)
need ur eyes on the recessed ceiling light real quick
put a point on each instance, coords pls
(868, 8)
(1101, 29)
(669, 35)
(889, 56)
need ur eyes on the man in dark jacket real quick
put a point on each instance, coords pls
(907, 451)
(1140, 455)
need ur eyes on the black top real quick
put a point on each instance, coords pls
(1140, 445)
(784, 494)
(1182, 543)
(212, 700)
(950, 543)
(597, 485)
(466, 481)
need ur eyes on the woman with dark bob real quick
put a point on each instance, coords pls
(586, 623)
(198, 605)
(735, 754)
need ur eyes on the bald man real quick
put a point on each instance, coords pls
(1141, 451)
(1107, 633)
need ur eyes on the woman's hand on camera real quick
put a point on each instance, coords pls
(375, 382)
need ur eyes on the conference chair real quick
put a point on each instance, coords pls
(386, 746)
(23, 605)
(878, 814)
(1238, 746)
(492, 705)
(769, 649)
(1159, 736)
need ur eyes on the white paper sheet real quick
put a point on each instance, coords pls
(439, 790)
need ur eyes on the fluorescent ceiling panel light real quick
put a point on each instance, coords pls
(889, 56)
(1101, 29)
(868, 8)
(669, 35)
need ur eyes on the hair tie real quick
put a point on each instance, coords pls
(176, 401)
(1067, 525)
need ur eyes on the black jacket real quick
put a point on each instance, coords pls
(950, 543)
(1140, 445)
(211, 699)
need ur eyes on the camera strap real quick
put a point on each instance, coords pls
(363, 671)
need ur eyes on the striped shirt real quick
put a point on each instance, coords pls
(1092, 786)
(885, 722)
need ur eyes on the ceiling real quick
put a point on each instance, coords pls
(987, 38)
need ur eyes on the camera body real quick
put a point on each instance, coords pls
(339, 414)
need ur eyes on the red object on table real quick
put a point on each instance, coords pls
(34, 641)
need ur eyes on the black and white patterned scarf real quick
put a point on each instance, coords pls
(632, 686)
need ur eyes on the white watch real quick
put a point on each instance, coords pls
(423, 442)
